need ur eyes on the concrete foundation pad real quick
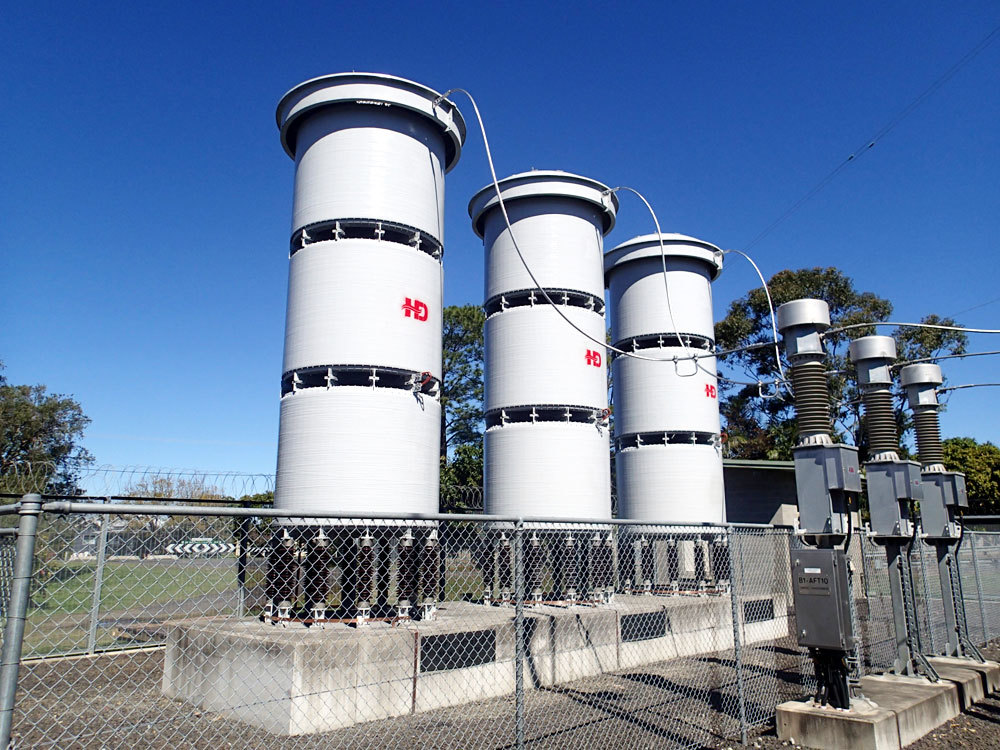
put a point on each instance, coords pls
(970, 682)
(294, 680)
(865, 726)
(897, 712)
(919, 705)
(989, 671)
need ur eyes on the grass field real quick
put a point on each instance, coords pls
(131, 591)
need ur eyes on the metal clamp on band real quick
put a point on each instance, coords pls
(368, 376)
(365, 229)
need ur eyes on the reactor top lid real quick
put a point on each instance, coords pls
(544, 183)
(377, 89)
(674, 246)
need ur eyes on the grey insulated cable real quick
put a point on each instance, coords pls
(770, 309)
(538, 287)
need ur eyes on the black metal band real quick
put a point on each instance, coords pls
(532, 297)
(368, 376)
(367, 229)
(664, 341)
(545, 413)
(667, 437)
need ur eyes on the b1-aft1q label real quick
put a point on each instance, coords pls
(814, 584)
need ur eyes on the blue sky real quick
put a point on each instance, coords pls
(145, 200)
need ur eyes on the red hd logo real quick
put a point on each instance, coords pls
(593, 358)
(710, 391)
(414, 308)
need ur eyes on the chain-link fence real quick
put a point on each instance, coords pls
(150, 625)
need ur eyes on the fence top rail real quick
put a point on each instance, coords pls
(144, 499)
(64, 507)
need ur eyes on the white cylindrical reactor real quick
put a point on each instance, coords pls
(360, 416)
(546, 443)
(668, 456)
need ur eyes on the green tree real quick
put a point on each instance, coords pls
(462, 377)
(760, 421)
(40, 434)
(462, 479)
(980, 462)
(462, 408)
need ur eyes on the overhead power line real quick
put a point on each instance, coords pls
(934, 326)
(938, 358)
(881, 133)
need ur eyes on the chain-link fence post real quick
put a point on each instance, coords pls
(737, 644)
(979, 584)
(242, 537)
(519, 635)
(20, 592)
(95, 601)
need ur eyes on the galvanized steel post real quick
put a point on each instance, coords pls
(242, 536)
(737, 649)
(519, 649)
(20, 590)
(95, 602)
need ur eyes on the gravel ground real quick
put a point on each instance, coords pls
(977, 729)
(114, 701)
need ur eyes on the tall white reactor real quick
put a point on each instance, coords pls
(546, 442)
(360, 416)
(668, 456)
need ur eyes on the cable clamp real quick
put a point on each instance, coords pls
(762, 394)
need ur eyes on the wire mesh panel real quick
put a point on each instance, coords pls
(774, 669)
(654, 662)
(263, 630)
(933, 631)
(988, 562)
(167, 630)
(978, 590)
(873, 605)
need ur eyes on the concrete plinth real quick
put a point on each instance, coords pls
(897, 712)
(976, 679)
(865, 726)
(293, 680)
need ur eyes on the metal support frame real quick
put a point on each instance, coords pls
(945, 562)
(20, 593)
(909, 658)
